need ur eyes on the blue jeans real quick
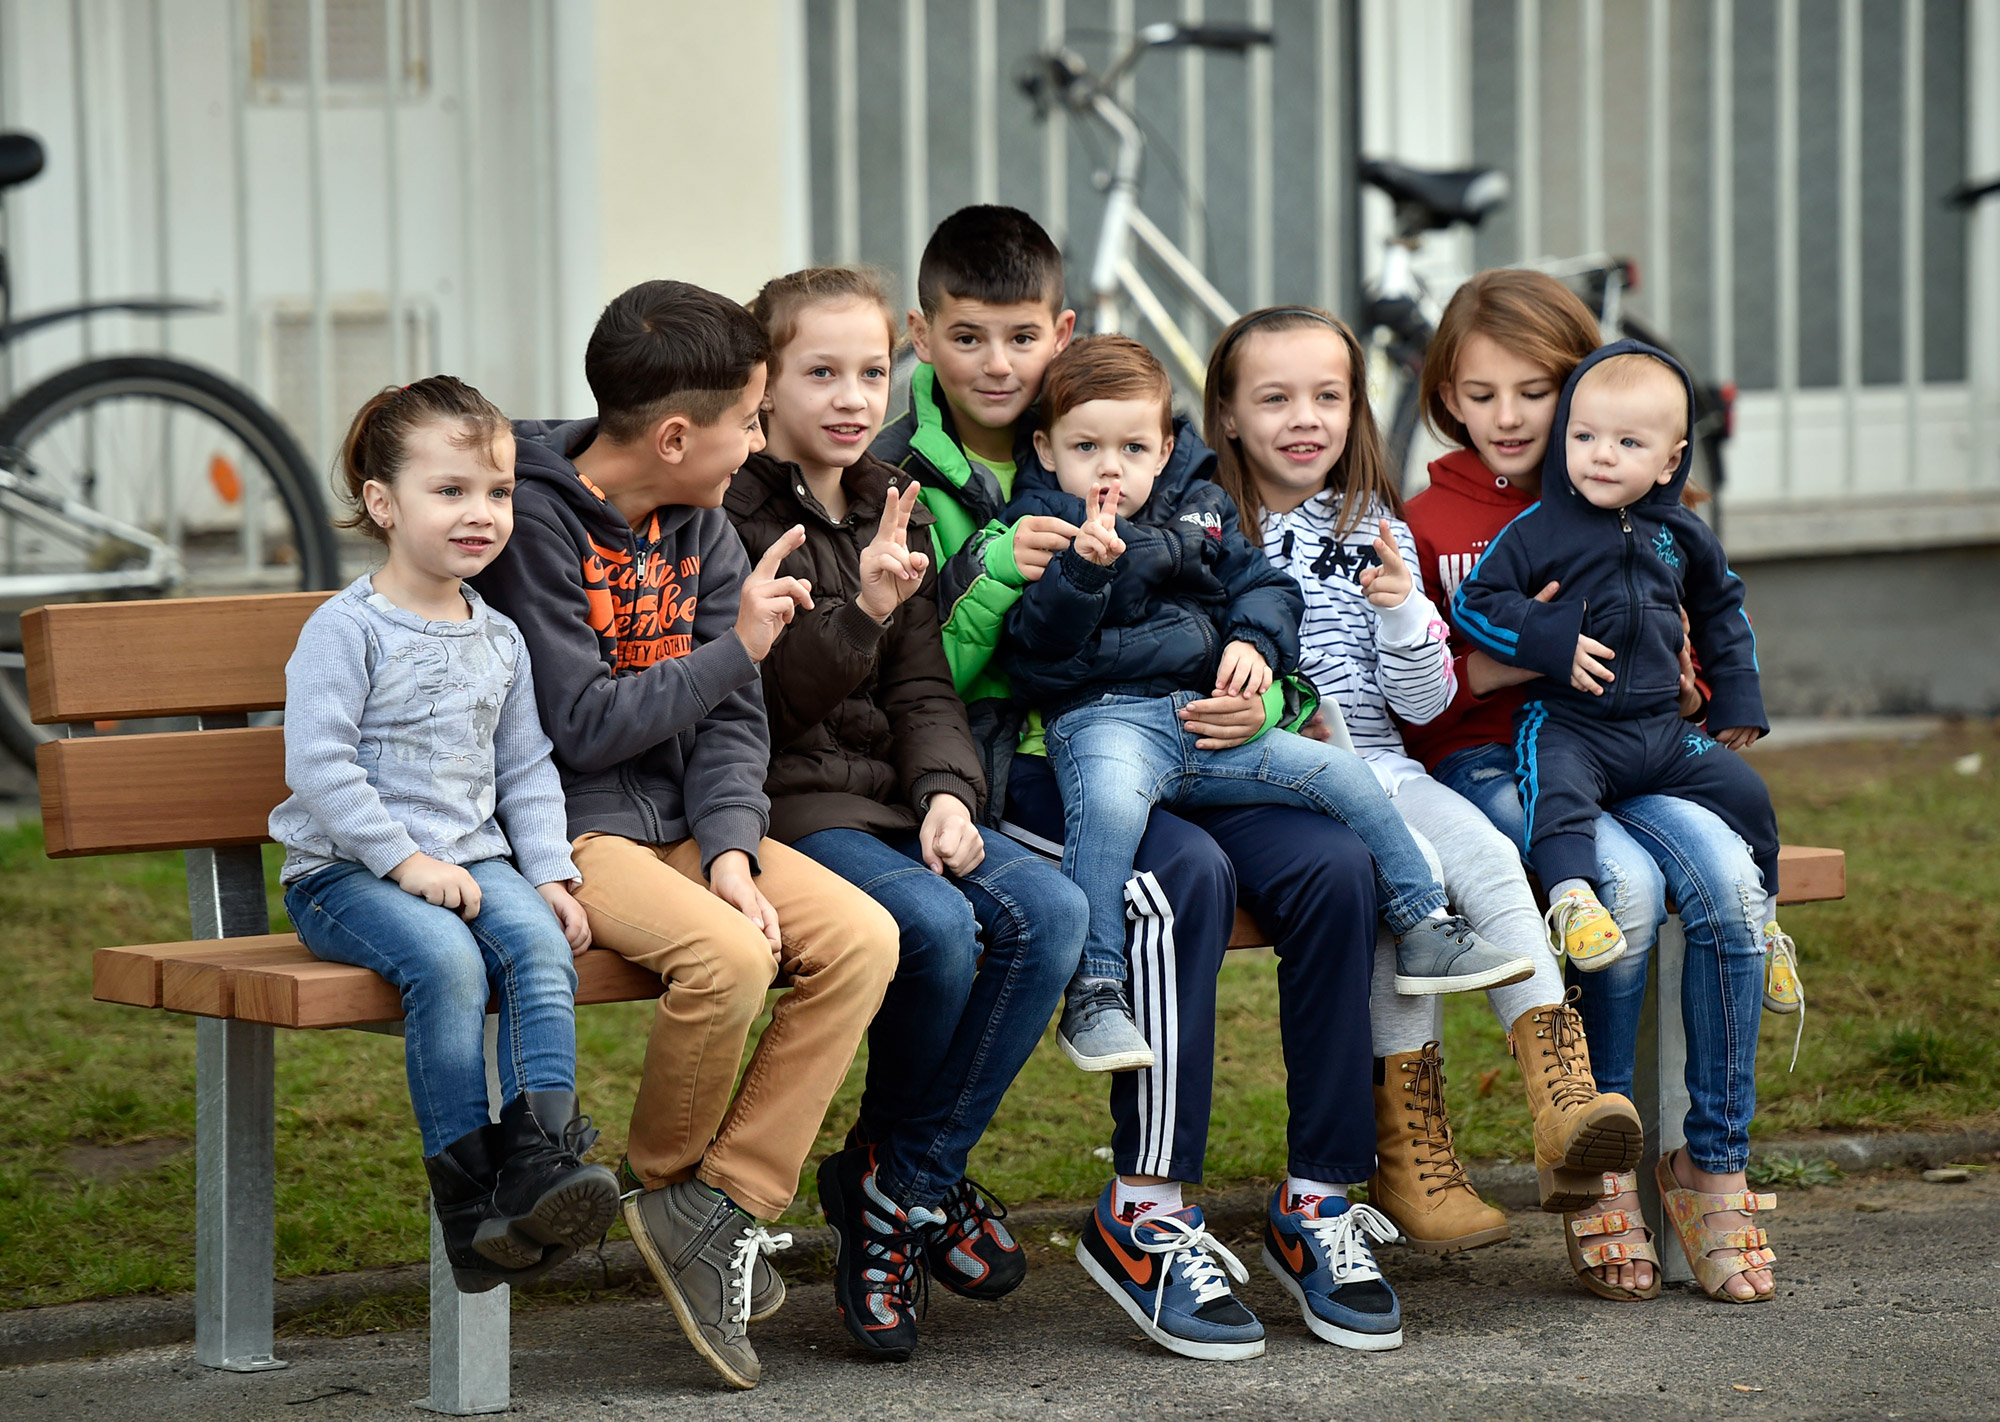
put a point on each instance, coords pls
(1118, 757)
(1649, 848)
(954, 1030)
(447, 970)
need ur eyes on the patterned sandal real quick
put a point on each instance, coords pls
(1689, 1209)
(1585, 1257)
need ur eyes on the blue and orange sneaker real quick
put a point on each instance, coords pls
(1172, 1277)
(878, 1265)
(1319, 1252)
(972, 1253)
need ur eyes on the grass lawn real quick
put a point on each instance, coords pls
(97, 1180)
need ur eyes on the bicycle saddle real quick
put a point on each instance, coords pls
(20, 158)
(1430, 198)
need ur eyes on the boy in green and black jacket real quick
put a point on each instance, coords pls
(991, 318)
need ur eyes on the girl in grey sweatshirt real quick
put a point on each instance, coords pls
(425, 833)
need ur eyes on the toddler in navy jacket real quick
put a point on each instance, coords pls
(1626, 558)
(1158, 602)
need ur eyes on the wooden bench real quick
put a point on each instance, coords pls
(210, 792)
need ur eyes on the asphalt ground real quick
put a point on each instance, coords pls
(1887, 1307)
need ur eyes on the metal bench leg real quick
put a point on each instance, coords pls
(470, 1333)
(235, 1133)
(235, 1129)
(1659, 1084)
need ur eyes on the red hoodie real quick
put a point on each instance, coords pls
(1453, 521)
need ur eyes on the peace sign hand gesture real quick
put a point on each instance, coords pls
(1098, 541)
(890, 572)
(1389, 585)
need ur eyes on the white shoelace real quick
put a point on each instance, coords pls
(1345, 1238)
(1780, 945)
(1177, 1239)
(743, 1263)
(1557, 920)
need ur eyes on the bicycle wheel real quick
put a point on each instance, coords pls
(181, 453)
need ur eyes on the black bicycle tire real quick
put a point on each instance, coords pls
(1401, 431)
(221, 399)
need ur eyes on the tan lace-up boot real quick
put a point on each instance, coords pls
(1418, 1182)
(1580, 1133)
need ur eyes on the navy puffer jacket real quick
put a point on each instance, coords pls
(1156, 621)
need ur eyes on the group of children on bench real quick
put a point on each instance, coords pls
(740, 685)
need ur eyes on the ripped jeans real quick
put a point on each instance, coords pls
(1649, 848)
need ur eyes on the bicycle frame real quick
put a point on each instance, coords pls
(1113, 273)
(78, 523)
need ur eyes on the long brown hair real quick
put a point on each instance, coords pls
(1530, 313)
(1361, 473)
(378, 440)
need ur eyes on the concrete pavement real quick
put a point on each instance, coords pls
(1886, 1308)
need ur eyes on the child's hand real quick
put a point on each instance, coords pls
(1037, 539)
(1222, 722)
(1316, 728)
(1691, 698)
(1242, 672)
(1098, 541)
(949, 839)
(1737, 738)
(569, 913)
(730, 880)
(1586, 671)
(436, 882)
(768, 601)
(890, 572)
(1389, 585)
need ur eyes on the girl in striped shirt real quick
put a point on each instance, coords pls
(1298, 451)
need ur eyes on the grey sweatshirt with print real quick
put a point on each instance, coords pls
(405, 736)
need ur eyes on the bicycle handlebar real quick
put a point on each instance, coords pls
(1223, 36)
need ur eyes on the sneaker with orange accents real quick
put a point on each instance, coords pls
(1171, 1276)
(1582, 930)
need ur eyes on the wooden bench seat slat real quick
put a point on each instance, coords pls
(133, 976)
(275, 979)
(115, 661)
(171, 790)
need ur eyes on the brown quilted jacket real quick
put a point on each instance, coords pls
(865, 726)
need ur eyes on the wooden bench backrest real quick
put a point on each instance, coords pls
(116, 661)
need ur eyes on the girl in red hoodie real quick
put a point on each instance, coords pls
(1506, 343)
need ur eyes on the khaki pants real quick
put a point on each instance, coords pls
(650, 904)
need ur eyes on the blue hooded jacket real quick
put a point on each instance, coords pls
(1625, 574)
(1155, 621)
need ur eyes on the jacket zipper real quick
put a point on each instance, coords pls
(1630, 647)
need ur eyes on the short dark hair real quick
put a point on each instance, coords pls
(998, 255)
(670, 348)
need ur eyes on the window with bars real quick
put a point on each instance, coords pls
(356, 45)
(1807, 148)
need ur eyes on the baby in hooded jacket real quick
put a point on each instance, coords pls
(1625, 558)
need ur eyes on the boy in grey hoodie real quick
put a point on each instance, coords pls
(646, 624)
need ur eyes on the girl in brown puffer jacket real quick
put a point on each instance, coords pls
(874, 775)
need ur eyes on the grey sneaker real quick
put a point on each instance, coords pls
(767, 1286)
(1441, 955)
(703, 1251)
(1097, 1031)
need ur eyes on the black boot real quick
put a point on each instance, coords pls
(547, 1203)
(461, 1177)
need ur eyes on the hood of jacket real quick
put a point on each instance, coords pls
(1463, 474)
(1562, 498)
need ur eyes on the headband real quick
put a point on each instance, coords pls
(1272, 314)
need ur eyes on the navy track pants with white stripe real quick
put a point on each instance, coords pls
(1310, 884)
(1573, 766)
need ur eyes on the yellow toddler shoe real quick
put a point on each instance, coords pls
(1582, 929)
(1782, 992)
